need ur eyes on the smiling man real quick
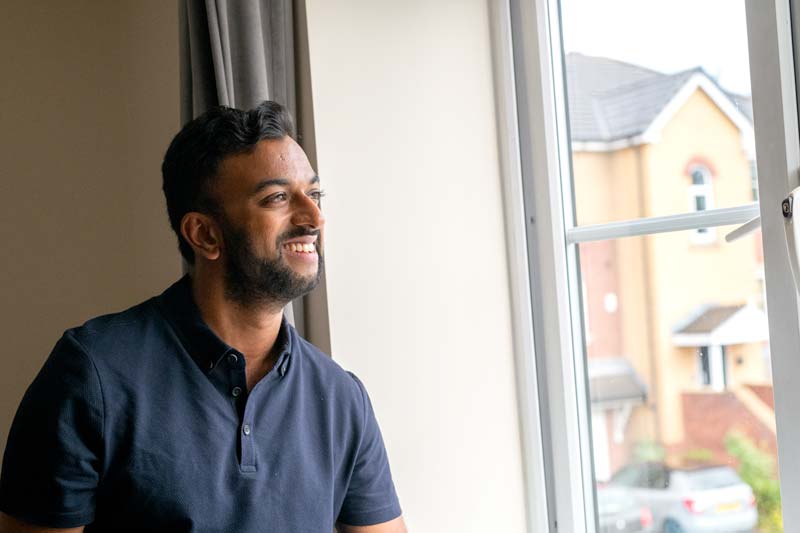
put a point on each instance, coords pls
(202, 409)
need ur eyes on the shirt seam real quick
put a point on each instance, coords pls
(85, 353)
(363, 412)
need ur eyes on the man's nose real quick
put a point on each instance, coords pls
(307, 213)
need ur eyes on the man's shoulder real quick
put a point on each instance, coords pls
(329, 373)
(114, 330)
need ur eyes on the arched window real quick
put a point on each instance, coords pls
(701, 198)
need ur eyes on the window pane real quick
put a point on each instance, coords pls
(680, 378)
(699, 203)
(652, 112)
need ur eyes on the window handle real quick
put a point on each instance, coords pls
(792, 227)
(749, 226)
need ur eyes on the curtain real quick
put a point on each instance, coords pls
(238, 53)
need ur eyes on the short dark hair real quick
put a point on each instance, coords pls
(195, 154)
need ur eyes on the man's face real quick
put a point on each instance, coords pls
(271, 224)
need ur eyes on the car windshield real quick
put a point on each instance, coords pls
(712, 478)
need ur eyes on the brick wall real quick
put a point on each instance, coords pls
(764, 392)
(708, 417)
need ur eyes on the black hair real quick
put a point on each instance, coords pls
(193, 158)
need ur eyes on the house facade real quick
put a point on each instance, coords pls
(675, 328)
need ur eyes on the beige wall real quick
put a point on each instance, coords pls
(417, 273)
(89, 102)
(686, 275)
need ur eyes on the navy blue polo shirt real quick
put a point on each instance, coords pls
(141, 421)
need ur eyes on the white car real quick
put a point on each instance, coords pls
(618, 511)
(710, 499)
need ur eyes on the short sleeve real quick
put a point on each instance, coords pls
(371, 497)
(52, 460)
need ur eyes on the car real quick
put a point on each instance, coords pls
(710, 498)
(618, 511)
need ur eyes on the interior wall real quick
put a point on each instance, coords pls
(418, 289)
(88, 104)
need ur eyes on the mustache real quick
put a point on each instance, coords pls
(299, 232)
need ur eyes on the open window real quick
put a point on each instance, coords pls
(601, 138)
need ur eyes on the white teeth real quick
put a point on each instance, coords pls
(300, 247)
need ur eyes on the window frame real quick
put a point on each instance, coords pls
(541, 236)
(705, 191)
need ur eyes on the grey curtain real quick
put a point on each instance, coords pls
(237, 53)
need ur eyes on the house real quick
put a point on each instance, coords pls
(674, 322)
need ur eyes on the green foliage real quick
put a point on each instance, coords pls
(648, 450)
(698, 456)
(757, 469)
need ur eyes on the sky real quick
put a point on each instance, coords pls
(664, 35)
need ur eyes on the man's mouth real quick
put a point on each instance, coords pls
(300, 247)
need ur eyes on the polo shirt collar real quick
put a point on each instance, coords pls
(205, 347)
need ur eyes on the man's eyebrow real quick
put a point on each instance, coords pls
(263, 184)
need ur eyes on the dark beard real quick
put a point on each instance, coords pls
(254, 281)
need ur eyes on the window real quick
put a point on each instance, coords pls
(701, 199)
(601, 139)
(713, 368)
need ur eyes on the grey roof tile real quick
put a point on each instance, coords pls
(611, 100)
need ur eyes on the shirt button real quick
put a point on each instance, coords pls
(211, 365)
(236, 391)
(246, 429)
(232, 359)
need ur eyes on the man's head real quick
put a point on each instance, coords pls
(241, 194)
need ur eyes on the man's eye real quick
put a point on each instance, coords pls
(316, 195)
(275, 198)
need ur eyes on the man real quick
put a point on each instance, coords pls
(202, 409)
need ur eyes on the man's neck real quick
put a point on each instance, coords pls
(252, 330)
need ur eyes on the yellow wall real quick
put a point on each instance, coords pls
(90, 102)
(686, 275)
(608, 186)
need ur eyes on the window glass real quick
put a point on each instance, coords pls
(678, 368)
(652, 112)
(627, 477)
(712, 478)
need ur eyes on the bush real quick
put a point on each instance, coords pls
(648, 450)
(698, 456)
(757, 469)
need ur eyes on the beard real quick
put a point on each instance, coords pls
(251, 280)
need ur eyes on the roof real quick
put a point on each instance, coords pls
(722, 325)
(710, 319)
(611, 100)
(614, 380)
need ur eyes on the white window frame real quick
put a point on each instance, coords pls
(541, 233)
(704, 190)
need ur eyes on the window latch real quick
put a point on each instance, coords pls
(749, 226)
(791, 229)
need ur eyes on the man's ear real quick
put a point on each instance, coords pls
(203, 234)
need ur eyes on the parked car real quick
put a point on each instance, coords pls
(619, 511)
(699, 499)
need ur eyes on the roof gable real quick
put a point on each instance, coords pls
(613, 104)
